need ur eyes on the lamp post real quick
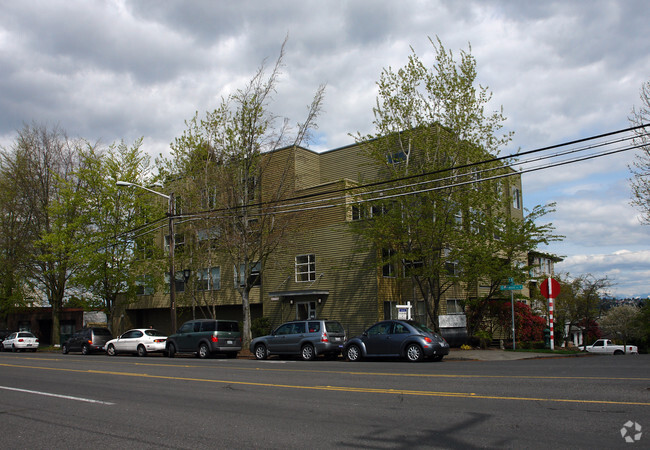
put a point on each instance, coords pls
(172, 273)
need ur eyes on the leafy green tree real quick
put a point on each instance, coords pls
(640, 169)
(38, 159)
(218, 167)
(444, 212)
(109, 258)
(643, 322)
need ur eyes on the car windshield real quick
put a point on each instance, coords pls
(153, 333)
(25, 335)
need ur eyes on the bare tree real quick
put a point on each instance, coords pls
(228, 160)
(640, 168)
(621, 322)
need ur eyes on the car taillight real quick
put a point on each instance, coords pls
(214, 338)
(427, 339)
(159, 340)
(90, 341)
(324, 337)
(21, 340)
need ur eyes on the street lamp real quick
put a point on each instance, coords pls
(172, 273)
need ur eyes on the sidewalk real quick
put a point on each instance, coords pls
(494, 354)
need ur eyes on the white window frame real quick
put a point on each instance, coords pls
(516, 198)
(305, 271)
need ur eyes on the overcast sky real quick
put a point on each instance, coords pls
(562, 70)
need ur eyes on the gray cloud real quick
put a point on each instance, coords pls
(124, 69)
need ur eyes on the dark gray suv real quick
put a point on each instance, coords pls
(304, 338)
(204, 337)
(87, 340)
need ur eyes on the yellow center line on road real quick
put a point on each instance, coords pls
(335, 388)
(383, 374)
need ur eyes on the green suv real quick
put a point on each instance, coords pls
(205, 337)
(304, 338)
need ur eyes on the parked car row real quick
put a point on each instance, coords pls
(306, 339)
(203, 337)
(386, 339)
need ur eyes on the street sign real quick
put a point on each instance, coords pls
(554, 288)
(512, 287)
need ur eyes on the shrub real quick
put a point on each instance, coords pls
(260, 326)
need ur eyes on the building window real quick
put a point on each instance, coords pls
(455, 306)
(396, 158)
(452, 268)
(208, 279)
(179, 284)
(209, 198)
(516, 198)
(305, 268)
(144, 285)
(388, 268)
(144, 247)
(179, 242)
(255, 278)
(357, 212)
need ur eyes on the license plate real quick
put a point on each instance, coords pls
(337, 339)
(230, 342)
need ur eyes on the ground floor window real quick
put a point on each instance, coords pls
(208, 279)
(455, 306)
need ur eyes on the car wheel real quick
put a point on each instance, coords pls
(204, 351)
(307, 352)
(171, 350)
(85, 349)
(141, 350)
(414, 353)
(353, 353)
(618, 352)
(64, 349)
(110, 350)
(261, 352)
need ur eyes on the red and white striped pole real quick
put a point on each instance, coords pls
(550, 313)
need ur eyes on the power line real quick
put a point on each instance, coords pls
(475, 177)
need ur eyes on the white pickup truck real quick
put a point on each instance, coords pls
(605, 346)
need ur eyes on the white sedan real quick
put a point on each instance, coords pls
(139, 341)
(22, 340)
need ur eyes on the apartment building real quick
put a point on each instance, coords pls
(321, 269)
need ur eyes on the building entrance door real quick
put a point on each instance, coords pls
(305, 310)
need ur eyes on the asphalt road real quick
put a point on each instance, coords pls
(73, 401)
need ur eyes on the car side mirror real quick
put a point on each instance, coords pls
(365, 333)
